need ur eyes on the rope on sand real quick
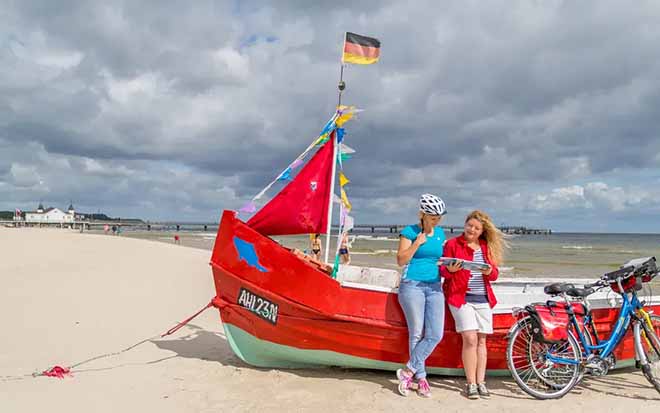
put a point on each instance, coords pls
(60, 372)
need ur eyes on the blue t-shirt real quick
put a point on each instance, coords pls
(423, 266)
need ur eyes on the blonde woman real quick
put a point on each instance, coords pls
(470, 295)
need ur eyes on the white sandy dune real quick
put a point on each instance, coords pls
(67, 297)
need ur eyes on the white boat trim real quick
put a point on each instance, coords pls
(510, 292)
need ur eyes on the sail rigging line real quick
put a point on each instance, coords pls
(340, 231)
(343, 213)
(332, 191)
(341, 85)
(301, 156)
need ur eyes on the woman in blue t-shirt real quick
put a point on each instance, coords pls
(420, 291)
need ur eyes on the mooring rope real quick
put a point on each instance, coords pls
(61, 372)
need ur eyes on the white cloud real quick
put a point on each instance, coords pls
(139, 107)
(35, 48)
(560, 198)
(615, 199)
(597, 196)
(146, 86)
(232, 63)
(24, 176)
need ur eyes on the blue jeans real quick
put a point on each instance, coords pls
(423, 304)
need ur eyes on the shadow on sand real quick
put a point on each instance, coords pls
(213, 346)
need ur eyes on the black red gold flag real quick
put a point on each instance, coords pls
(361, 50)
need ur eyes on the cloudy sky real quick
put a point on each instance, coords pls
(542, 113)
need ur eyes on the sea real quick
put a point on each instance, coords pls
(562, 255)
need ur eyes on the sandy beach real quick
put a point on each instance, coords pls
(68, 297)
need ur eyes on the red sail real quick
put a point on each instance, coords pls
(302, 206)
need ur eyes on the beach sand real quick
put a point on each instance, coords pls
(67, 297)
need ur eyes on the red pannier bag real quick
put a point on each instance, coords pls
(629, 283)
(550, 320)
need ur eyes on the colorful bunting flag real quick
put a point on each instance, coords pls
(322, 139)
(342, 179)
(343, 118)
(286, 175)
(344, 199)
(248, 208)
(328, 127)
(335, 267)
(340, 134)
(349, 222)
(345, 148)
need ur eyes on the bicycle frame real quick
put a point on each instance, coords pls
(603, 347)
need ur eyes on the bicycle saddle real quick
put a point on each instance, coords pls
(580, 292)
(557, 288)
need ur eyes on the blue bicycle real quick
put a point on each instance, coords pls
(554, 343)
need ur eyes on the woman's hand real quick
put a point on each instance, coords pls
(457, 265)
(487, 271)
(421, 239)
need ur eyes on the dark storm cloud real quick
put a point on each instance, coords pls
(528, 109)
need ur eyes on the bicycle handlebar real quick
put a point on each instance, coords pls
(600, 283)
(636, 267)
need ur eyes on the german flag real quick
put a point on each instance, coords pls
(360, 50)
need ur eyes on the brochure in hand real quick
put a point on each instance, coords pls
(467, 265)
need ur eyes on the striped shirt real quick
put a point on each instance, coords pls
(476, 288)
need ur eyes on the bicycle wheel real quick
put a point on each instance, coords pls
(534, 374)
(650, 339)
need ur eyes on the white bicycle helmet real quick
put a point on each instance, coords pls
(432, 205)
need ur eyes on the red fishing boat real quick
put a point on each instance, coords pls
(282, 309)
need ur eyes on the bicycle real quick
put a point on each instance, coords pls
(554, 343)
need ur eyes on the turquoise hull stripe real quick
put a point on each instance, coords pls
(262, 353)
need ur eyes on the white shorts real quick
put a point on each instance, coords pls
(473, 317)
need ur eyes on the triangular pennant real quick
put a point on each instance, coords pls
(248, 208)
(335, 267)
(286, 175)
(321, 140)
(349, 222)
(328, 127)
(345, 117)
(340, 134)
(344, 199)
(342, 179)
(346, 149)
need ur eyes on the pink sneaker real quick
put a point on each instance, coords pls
(405, 381)
(423, 388)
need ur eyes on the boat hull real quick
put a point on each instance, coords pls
(278, 311)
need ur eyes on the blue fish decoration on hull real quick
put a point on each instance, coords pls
(247, 253)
